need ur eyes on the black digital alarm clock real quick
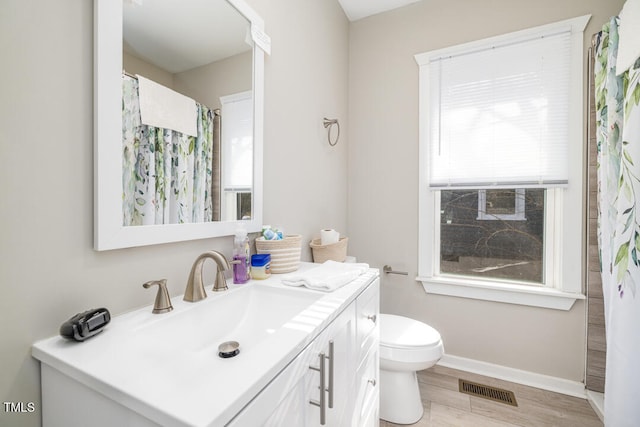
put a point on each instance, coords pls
(85, 325)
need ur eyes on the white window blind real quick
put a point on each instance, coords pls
(499, 115)
(237, 141)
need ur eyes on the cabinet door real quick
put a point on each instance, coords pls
(337, 342)
(367, 395)
(283, 402)
(367, 315)
(292, 410)
(344, 367)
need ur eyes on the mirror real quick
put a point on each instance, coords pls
(204, 73)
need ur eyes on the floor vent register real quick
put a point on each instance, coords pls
(487, 392)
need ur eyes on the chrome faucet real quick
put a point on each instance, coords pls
(195, 287)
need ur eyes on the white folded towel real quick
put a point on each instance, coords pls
(328, 277)
(164, 108)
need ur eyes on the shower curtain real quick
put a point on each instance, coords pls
(167, 175)
(618, 140)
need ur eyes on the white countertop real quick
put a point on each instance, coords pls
(175, 387)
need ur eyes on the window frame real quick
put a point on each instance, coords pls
(564, 235)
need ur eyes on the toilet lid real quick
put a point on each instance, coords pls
(399, 331)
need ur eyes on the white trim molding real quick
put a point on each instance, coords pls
(534, 296)
(531, 379)
(596, 400)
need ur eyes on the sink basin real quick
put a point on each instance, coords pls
(249, 315)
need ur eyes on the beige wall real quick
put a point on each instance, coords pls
(307, 77)
(383, 174)
(48, 269)
(208, 83)
(134, 65)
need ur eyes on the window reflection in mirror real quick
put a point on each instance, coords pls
(237, 155)
(199, 49)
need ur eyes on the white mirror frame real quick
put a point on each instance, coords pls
(109, 233)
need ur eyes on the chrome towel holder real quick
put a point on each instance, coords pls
(387, 269)
(328, 123)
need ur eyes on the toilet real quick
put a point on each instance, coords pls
(406, 346)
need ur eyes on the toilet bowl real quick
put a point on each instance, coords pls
(406, 346)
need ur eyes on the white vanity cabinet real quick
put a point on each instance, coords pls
(350, 348)
(303, 354)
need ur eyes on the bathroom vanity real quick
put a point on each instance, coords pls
(306, 358)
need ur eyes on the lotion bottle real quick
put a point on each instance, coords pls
(241, 260)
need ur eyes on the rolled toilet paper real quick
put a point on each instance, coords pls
(329, 236)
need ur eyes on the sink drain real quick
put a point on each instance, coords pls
(229, 349)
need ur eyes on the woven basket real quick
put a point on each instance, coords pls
(334, 251)
(285, 253)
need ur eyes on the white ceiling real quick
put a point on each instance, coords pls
(358, 9)
(180, 36)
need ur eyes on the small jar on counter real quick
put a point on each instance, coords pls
(260, 266)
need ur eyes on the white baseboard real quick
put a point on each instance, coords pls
(596, 400)
(532, 379)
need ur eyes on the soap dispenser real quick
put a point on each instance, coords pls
(241, 260)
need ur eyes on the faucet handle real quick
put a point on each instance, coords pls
(163, 302)
(221, 282)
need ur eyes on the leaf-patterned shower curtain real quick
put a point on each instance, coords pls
(618, 140)
(166, 174)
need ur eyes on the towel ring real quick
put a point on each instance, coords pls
(328, 123)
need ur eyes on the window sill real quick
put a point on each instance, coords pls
(533, 296)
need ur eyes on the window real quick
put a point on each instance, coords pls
(493, 245)
(501, 139)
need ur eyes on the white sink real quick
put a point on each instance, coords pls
(250, 315)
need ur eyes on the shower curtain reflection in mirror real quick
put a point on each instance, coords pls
(167, 175)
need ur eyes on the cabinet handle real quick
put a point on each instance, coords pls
(322, 403)
(372, 381)
(330, 374)
(373, 318)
